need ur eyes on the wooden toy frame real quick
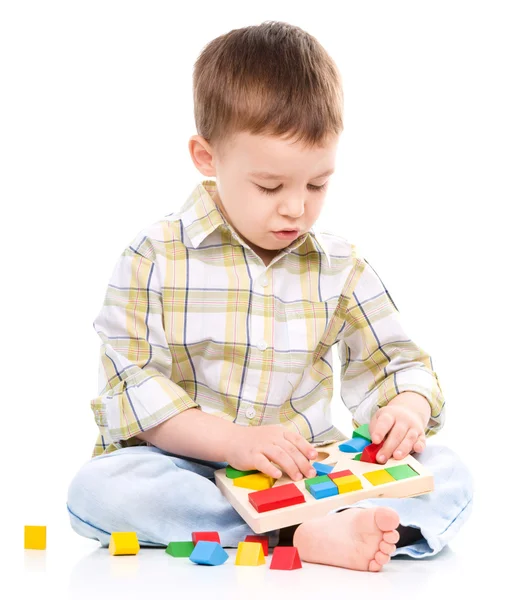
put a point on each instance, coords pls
(423, 483)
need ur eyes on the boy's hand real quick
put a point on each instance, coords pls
(254, 448)
(404, 419)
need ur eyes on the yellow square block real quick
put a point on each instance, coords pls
(257, 481)
(123, 542)
(348, 483)
(35, 537)
(249, 554)
(378, 477)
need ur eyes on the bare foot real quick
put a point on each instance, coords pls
(357, 538)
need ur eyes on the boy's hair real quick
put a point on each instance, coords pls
(269, 79)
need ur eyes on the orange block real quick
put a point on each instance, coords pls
(257, 481)
(35, 537)
(378, 477)
(123, 542)
(348, 483)
(250, 554)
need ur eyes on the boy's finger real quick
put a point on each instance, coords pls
(305, 447)
(262, 464)
(303, 464)
(382, 426)
(280, 456)
(406, 445)
(393, 440)
(419, 446)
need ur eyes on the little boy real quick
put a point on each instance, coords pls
(218, 325)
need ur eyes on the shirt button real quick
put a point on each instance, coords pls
(250, 412)
(264, 281)
(262, 345)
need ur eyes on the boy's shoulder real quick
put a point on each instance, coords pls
(337, 246)
(153, 238)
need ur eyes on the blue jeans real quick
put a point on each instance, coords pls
(164, 497)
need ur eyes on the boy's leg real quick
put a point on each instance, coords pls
(428, 522)
(160, 496)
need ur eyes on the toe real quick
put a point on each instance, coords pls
(381, 558)
(374, 566)
(386, 548)
(391, 537)
(386, 518)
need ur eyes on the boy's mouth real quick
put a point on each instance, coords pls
(286, 234)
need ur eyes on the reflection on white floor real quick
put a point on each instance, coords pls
(76, 568)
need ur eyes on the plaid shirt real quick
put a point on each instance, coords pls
(193, 318)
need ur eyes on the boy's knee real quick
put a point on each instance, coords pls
(86, 485)
(448, 465)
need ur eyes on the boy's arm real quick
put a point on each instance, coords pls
(135, 389)
(379, 361)
(194, 434)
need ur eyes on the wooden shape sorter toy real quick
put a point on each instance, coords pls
(345, 478)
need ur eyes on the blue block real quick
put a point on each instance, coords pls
(354, 445)
(322, 469)
(324, 489)
(209, 553)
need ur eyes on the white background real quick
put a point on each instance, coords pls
(95, 116)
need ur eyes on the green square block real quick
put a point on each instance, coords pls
(357, 456)
(401, 472)
(180, 549)
(314, 480)
(362, 432)
(234, 473)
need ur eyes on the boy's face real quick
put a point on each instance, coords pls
(255, 214)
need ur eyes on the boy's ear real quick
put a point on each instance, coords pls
(202, 155)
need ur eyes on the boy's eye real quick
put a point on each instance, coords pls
(313, 188)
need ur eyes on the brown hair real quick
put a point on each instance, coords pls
(268, 79)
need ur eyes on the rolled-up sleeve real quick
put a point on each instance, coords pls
(378, 358)
(135, 387)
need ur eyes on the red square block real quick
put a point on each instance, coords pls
(205, 536)
(286, 558)
(262, 539)
(276, 497)
(370, 452)
(340, 474)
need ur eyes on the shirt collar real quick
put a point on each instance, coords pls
(201, 216)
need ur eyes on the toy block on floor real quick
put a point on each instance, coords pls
(350, 483)
(250, 554)
(257, 481)
(322, 469)
(354, 445)
(123, 543)
(232, 473)
(362, 432)
(180, 549)
(378, 477)
(35, 537)
(205, 536)
(337, 474)
(324, 489)
(315, 480)
(357, 457)
(370, 452)
(285, 558)
(264, 540)
(401, 472)
(209, 553)
(276, 497)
